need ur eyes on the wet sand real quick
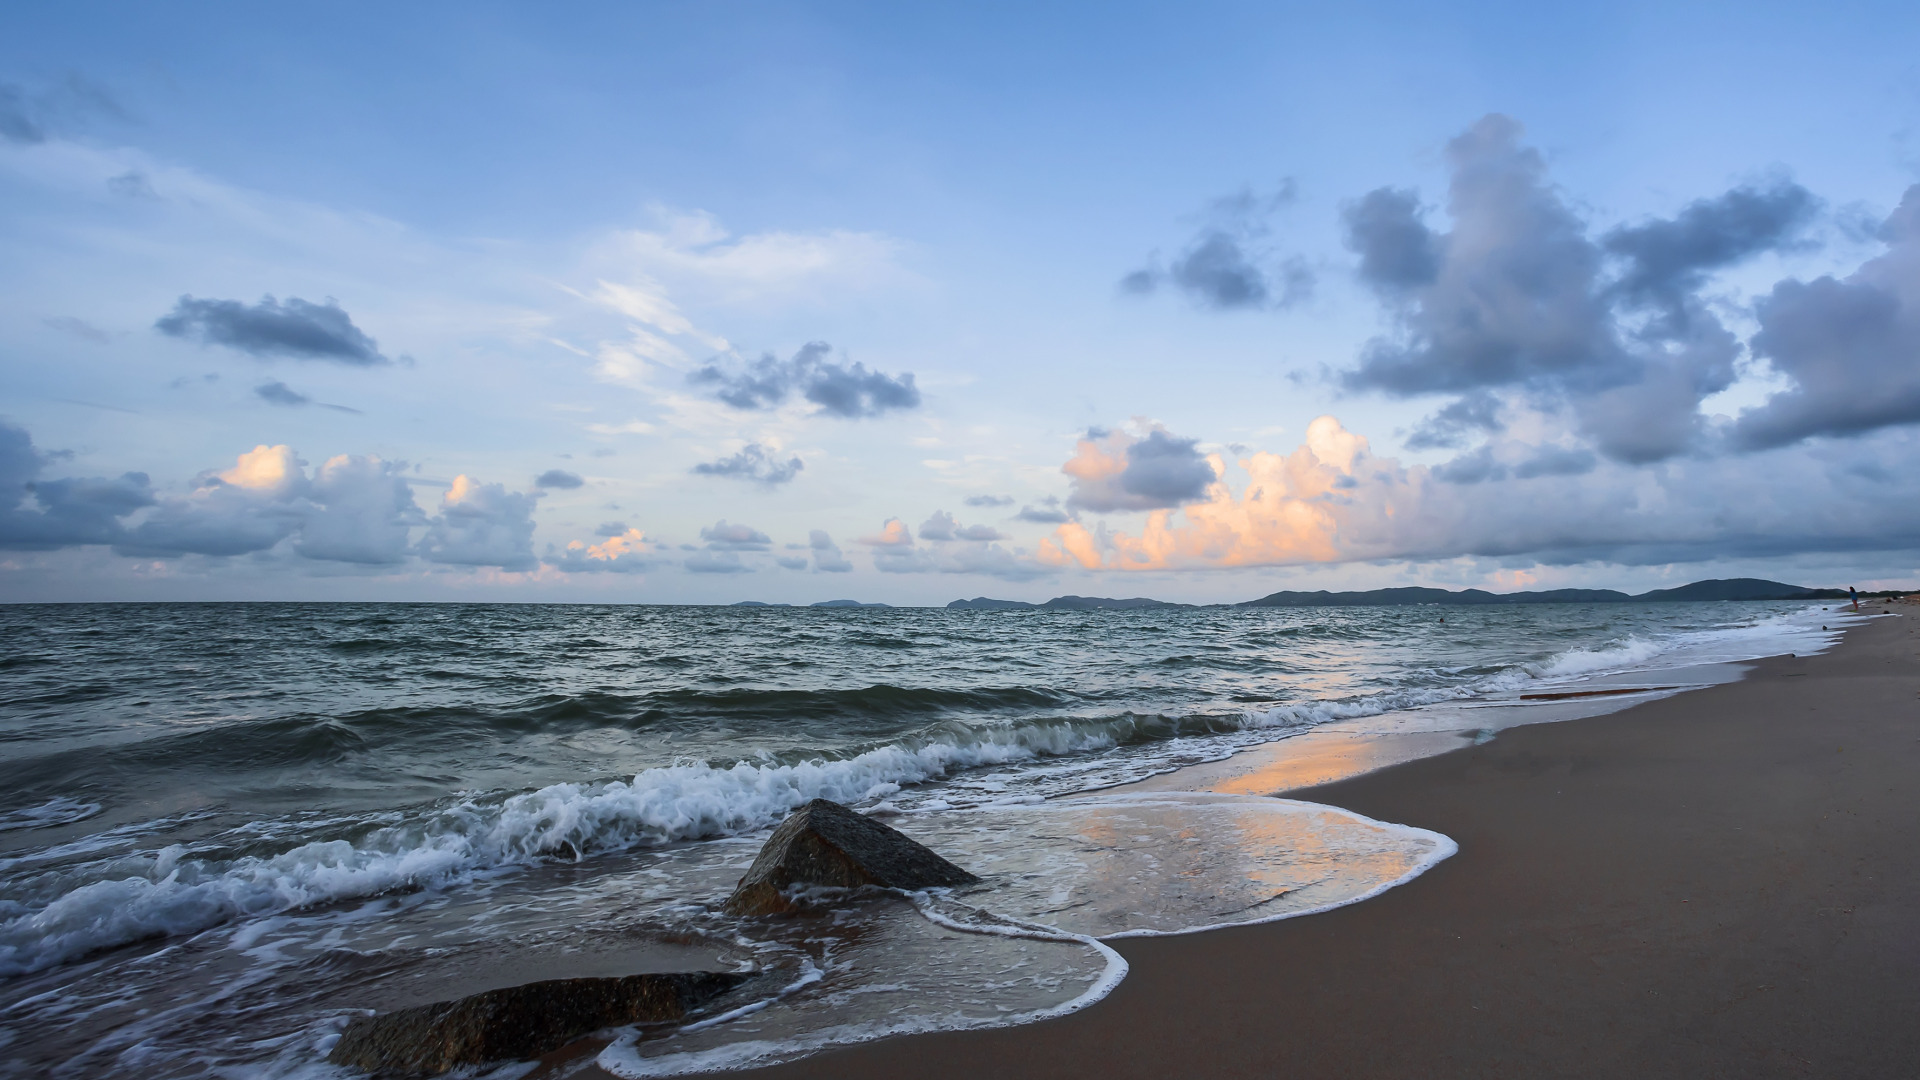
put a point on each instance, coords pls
(1721, 883)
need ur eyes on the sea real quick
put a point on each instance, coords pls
(228, 829)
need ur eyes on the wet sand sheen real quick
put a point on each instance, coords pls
(1717, 883)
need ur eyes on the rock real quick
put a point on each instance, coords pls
(824, 843)
(519, 1022)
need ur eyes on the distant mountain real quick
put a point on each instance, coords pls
(846, 603)
(1062, 603)
(1728, 589)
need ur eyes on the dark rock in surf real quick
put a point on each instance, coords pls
(824, 843)
(519, 1022)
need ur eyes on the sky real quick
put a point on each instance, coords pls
(700, 303)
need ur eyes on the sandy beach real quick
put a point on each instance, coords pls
(1721, 883)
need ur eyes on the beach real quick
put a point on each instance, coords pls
(1718, 883)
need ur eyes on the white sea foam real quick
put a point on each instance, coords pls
(59, 810)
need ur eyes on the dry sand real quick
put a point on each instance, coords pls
(1721, 883)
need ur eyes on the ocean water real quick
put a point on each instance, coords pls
(227, 829)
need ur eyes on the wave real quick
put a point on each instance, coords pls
(176, 892)
(59, 810)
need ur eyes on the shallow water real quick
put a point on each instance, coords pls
(228, 828)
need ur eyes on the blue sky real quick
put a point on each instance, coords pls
(1193, 303)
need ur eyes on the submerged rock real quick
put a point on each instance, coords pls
(824, 843)
(519, 1022)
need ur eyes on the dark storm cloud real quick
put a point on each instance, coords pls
(1477, 413)
(558, 478)
(754, 462)
(1397, 251)
(1228, 265)
(1556, 461)
(845, 390)
(296, 328)
(1668, 261)
(40, 515)
(1851, 347)
(1472, 468)
(1519, 299)
(1161, 471)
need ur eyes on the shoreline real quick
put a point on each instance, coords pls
(1719, 882)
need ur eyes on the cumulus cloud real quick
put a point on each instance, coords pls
(1227, 264)
(611, 528)
(1116, 470)
(989, 500)
(296, 329)
(364, 511)
(1848, 345)
(481, 525)
(354, 509)
(849, 391)
(720, 536)
(558, 478)
(941, 527)
(1517, 297)
(827, 557)
(716, 562)
(1048, 512)
(46, 514)
(894, 552)
(624, 551)
(1333, 500)
(754, 462)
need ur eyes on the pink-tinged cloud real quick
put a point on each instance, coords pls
(1151, 470)
(1296, 508)
(893, 534)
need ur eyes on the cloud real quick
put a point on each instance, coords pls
(39, 515)
(132, 184)
(941, 527)
(481, 525)
(29, 118)
(893, 534)
(754, 462)
(297, 329)
(1047, 513)
(1332, 501)
(611, 528)
(17, 124)
(80, 328)
(364, 512)
(1518, 298)
(279, 393)
(1114, 470)
(716, 562)
(849, 391)
(827, 557)
(1848, 345)
(721, 536)
(354, 509)
(625, 551)
(989, 500)
(1226, 266)
(558, 478)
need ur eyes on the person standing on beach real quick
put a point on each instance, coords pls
(1855, 594)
